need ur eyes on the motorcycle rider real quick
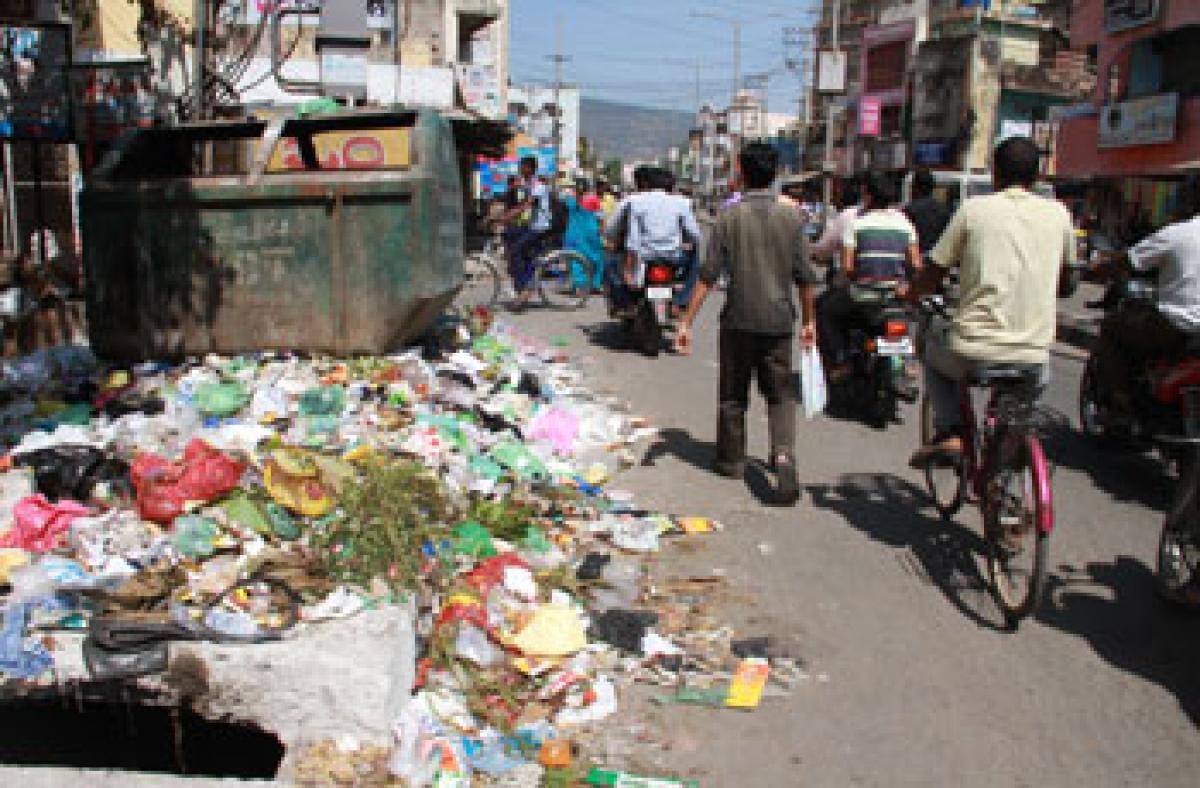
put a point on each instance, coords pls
(659, 225)
(879, 244)
(926, 212)
(616, 238)
(528, 223)
(1009, 247)
(1140, 331)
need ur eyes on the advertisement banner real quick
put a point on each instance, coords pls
(870, 110)
(370, 149)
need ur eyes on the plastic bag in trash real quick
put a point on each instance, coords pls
(39, 526)
(72, 471)
(221, 399)
(164, 487)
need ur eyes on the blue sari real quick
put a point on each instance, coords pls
(583, 236)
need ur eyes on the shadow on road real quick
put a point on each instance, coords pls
(1126, 474)
(674, 442)
(1113, 606)
(609, 335)
(897, 513)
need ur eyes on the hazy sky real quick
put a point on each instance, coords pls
(646, 51)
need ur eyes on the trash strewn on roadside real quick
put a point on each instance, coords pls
(240, 500)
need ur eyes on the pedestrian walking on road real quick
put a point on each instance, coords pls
(760, 245)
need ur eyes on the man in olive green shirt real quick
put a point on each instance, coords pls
(1009, 247)
(760, 245)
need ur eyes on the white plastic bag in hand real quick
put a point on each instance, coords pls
(812, 382)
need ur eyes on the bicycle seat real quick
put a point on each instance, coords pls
(1005, 374)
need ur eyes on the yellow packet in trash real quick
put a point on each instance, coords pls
(292, 480)
(746, 689)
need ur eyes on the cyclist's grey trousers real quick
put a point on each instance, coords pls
(944, 369)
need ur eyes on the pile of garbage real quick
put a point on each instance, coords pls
(239, 500)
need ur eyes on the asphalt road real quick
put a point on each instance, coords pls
(914, 680)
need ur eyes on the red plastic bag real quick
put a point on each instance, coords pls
(39, 525)
(164, 487)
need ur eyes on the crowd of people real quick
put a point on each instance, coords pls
(1008, 249)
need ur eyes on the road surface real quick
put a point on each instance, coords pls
(914, 680)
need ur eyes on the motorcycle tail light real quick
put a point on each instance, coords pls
(658, 275)
(894, 329)
(871, 345)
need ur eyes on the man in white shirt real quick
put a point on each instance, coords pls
(1140, 331)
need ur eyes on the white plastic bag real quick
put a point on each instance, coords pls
(812, 382)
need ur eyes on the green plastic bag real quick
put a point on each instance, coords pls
(323, 401)
(535, 540)
(282, 522)
(517, 458)
(471, 538)
(221, 399)
(194, 536)
(245, 512)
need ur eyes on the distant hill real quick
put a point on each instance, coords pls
(630, 132)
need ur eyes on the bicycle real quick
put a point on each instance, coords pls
(1004, 469)
(551, 273)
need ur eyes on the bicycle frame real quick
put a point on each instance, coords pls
(976, 449)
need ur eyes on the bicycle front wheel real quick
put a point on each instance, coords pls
(1178, 565)
(946, 480)
(1017, 529)
(554, 278)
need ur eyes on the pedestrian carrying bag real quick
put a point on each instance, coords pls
(812, 382)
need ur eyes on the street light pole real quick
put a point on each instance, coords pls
(828, 163)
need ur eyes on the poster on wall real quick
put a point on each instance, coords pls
(34, 95)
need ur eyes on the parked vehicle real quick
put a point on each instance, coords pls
(881, 358)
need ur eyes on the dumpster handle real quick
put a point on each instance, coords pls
(290, 85)
(263, 156)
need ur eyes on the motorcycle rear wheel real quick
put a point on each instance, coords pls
(1178, 564)
(647, 332)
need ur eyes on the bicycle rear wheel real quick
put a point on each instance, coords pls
(946, 480)
(553, 278)
(1017, 544)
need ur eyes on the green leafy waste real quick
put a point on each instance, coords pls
(387, 515)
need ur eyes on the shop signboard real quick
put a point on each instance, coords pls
(870, 109)
(1125, 14)
(1145, 121)
(831, 71)
(34, 95)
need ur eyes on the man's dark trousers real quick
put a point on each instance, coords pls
(769, 357)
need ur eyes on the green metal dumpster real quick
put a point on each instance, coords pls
(337, 233)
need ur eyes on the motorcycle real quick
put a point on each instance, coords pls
(648, 317)
(1165, 416)
(882, 357)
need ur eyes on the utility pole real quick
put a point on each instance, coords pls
(558, 58)
(199, 56)
(969, 100)
(835, 31)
